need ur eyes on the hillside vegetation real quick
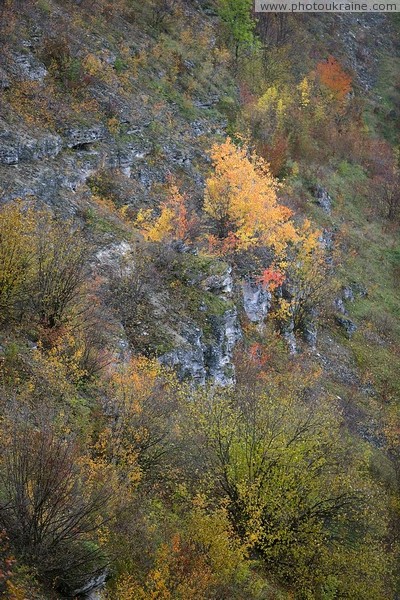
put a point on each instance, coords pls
(199, 302)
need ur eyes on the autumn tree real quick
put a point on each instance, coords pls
(271, 278)
(383, 163)
(241, 200)
(388, 190)
(139, 418)
(307, 284)
(203, 560)
(198, 555)
(60, 260)
(332, 75)
(162, 10)
(16, 231)
(270, 112)
(175, 222)
(43, 265)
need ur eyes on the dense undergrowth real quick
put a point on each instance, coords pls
(113, 467)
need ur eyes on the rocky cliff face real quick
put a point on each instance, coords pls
(189, 357)
(227, 333)
(256, 301)
(199, 361)
(203, 356)
(81, 98)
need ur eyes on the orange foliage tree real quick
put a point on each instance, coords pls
(175, 221)
(333, 77)
(271, 278)
(241, 200)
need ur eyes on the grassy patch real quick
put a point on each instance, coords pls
(378, 364)
(372, 259)
(384, 113)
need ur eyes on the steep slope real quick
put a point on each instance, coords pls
(105, 107)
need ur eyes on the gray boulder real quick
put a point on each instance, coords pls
(256, 301)
(347, 324)
(227, 333)
(323, 199)
(80, 136)
(27, 66)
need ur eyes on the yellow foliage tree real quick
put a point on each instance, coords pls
(42, 265)
(16, 228)
(308, 285)
(274, 104)
(204, 558)
(60, 254)
(304, 89)
(137, 427)
(241, 199)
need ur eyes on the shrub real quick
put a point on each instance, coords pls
(162, 11)
(16, 230)
(43, 507)
(43, 266)
(60, 258)
(6, 563)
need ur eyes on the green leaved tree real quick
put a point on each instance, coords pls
(238, 19)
